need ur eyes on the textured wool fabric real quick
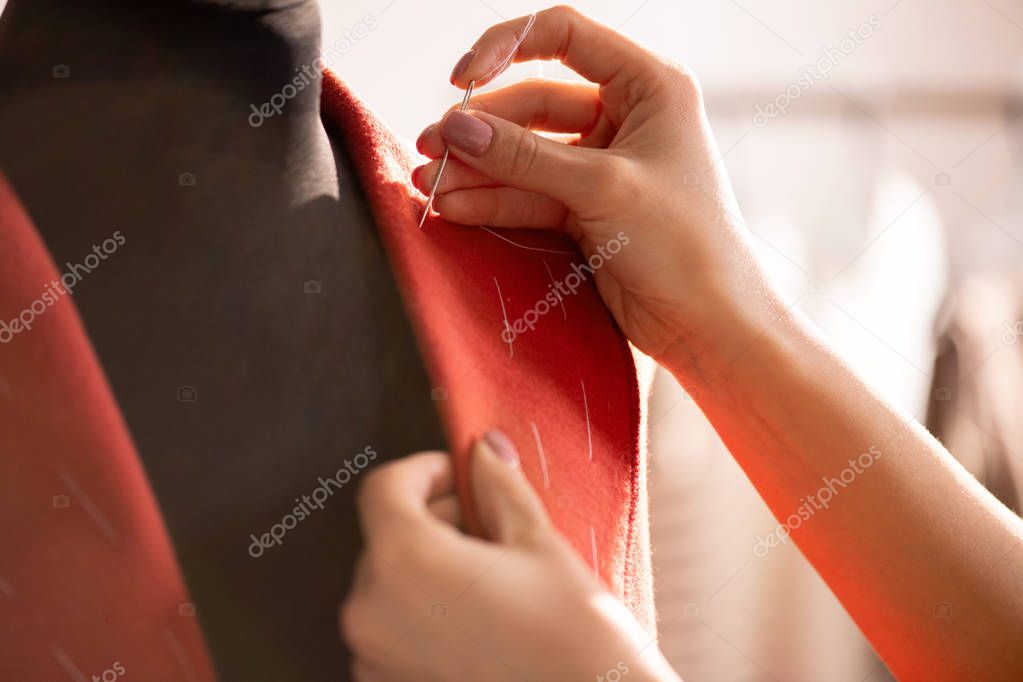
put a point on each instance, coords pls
(565, 391)
(88, 576)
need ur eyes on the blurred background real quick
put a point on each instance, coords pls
(887, 200)
(876, 149)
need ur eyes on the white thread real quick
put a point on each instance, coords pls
(561, 300)
(67, 664)
(593, 551)
(589, 434)
(90, 507)
(503, 64)
(179, 653)
(507, 325)
(543, 460)
(523, 246)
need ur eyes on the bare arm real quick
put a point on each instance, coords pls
(926, 561)
(908, 533)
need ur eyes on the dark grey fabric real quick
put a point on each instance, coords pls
(249, 323)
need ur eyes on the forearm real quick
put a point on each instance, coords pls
(893, 524)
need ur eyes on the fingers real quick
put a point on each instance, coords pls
(447, 510)
(508, 507)
(537, 104)
(397, 494)
(516, 157)
(456, 176)
(594, 51)
(500, 207)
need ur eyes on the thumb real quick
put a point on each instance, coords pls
(508, 507)
(519, 158)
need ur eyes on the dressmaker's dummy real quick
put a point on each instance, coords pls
(255, 340)
(209, 291)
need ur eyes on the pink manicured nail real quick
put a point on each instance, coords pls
(502, 447)
(462, 65)
(466, 132)
(423, 135)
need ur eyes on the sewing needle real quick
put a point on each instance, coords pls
(444, 160)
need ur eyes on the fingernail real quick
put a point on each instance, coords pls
(415, 175)
(423, 135)
(502, 447)
(466, 132)
(462, 65)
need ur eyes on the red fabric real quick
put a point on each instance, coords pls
(533, 388)
(88, 578)
(96, 583)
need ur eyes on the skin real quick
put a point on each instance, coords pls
(925, 560)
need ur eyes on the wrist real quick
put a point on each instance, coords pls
(759, 358)
(730, 321)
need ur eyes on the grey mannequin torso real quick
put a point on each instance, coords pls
(241, 384)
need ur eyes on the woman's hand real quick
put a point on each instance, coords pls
(640, 160)
(430, 602)
(915, 529)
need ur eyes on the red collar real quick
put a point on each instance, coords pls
(88, 574)
(565, 390)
